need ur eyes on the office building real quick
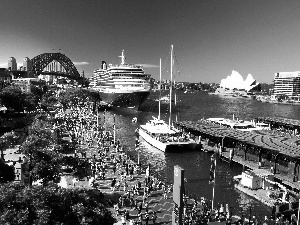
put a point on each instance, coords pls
(287, 83)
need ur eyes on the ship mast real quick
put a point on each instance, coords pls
(171, 85)
(159, 88)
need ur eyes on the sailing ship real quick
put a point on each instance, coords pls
(123, 85)
(164, 136)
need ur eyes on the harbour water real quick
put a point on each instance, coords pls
(192, 107)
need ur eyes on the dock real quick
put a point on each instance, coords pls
(266, 150)
(290, 125)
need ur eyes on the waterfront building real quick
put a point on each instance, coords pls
(287, 83)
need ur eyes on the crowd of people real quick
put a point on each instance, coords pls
(128, 179)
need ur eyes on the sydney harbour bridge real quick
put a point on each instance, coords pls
(54, 64)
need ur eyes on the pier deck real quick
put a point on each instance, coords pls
(268, 142)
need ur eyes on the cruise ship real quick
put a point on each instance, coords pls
(122, 85)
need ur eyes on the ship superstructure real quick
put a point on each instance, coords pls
(122, 85)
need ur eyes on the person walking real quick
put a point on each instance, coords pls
(114, 169)
(146, 218)
(123, 219)
(146, 206)
(154, 217)
(140, 208)
(136, 204)
(126, 215)
(116, 207)
(113, 183)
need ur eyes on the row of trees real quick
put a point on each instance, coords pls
(52, 205)
(44, 153)
(15, 99)
(7, 173)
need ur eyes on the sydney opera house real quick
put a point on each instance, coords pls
(235, 85)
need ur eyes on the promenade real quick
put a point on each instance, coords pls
(157, 203)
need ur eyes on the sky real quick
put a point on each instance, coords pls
(211, 37)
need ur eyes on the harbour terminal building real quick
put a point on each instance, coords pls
(287, 83)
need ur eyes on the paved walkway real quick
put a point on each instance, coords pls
(162, 207)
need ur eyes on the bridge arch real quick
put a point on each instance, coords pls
(41, 61)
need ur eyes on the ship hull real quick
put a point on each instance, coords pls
(125, 100)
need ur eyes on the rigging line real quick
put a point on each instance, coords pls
(165, 65)
(176, 63)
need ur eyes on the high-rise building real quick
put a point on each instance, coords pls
(12, 64)
(287, 83)
(27, 64)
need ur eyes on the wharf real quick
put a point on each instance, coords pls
(280, 122)
(251, 147)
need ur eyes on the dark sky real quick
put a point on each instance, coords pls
(211, 37)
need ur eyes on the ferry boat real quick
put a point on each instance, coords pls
(165, 138)
(122, 85)
(240, 124)
(233, 93)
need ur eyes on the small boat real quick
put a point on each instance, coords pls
(165, 99)
(104, 105)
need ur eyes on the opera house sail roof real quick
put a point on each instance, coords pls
(236, 81)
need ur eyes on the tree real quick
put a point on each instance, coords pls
(44, 161)
(12, 97)
(7, 173)
(6, 140)
(41, 150)
(77, 96)
(52, 205)
(30, 101)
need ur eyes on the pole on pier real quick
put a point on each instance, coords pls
(178, 191)
(298, 212)
(213, 177)
(138, 155)
(114, 129)
(213, 198)
(104, 121)
(97, 118)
